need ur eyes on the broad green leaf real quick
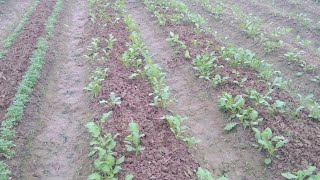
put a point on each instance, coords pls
(95, 176)
(93, 129)
(230, 126)
(267, 161)
(289, 176)
(120, 160)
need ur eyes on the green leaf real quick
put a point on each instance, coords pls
(267, 161)
(129, 177)
(230, 126)
(289, 176)
(120, 160)
(117, 169)
(93, 129)
(95, 176)
(106, 116)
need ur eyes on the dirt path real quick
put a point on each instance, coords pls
(54, 139)
(10, 13)
(223, 153)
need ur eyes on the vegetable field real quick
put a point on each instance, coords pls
(160, 89)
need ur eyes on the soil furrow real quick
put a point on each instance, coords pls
(10, 13)
(14, 65)
(52, 143)
(302, 84)
(218, 151)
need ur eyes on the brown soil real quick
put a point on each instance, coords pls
(302, 133)
(10, 13)
(14, 65)
(220, 152)
(266, 12)
(227, 28)
(51, 140)
(164, 157)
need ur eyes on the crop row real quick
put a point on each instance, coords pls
(137, 59)
(271, 41)
(25, 88)
(250, 97)
(11, 38)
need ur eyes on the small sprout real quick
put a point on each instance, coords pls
(133, 139)
(114, 100)
(175, 124)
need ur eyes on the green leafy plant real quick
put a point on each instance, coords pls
(312, 106)
(269, 142)
(95, 85)
(191, 141)
(161, 18)
(160, 92)
(110, 41)
(203, 64)
(173, 40)
(302, 174)
(114, 100)
(133, 140)
(251, 26)
(293, 55)
(277, 107)
(303, 43)
(258, 98)
(106, 166)
(228, 103)
(217, 80)
(175, 124)
(204, 174)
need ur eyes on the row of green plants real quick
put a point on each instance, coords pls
(248, 116)
(15, 111)
(236, 57)
(271, 41)
(138, 57)
(13, 36)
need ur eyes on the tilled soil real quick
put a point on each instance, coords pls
(51, 140)
(10, 13)
(218, 151)
(164, 157)
(227, 27)
(303, 134)
(14, 65)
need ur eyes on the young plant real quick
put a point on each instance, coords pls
(173, 40)
(312, 106)
(133, 140)
(258, 98)
(218, 80)
(94, 86)
(269, 142)
(293, 55)
(251, 26)
(175, 124)
(228, 103)
(160, 92)
(204, 174)
(203, 64)
(161, 18)
(191, 141)
(303, 174)
(106, 166)
(277, 107)
(114, 100)
(110, 41)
